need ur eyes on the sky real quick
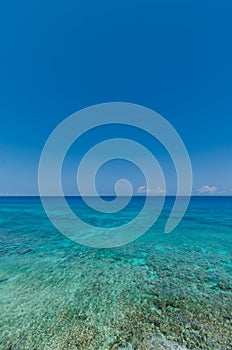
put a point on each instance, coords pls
(57, 57)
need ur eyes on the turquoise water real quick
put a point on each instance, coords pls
(162, 291)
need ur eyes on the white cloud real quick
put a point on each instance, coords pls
(207, 189)
(144, 189)
(159, 190)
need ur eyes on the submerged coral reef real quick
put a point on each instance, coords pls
(160, 292)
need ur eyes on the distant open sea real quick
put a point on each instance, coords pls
(162, 291)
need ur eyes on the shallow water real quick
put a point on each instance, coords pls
(162, 291)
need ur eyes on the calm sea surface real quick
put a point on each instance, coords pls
(162, 291)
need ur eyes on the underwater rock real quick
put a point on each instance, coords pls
(23, 251)
(3, 279)
(3, 252)
(224, 285)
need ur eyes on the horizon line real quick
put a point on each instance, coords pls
(113, 195)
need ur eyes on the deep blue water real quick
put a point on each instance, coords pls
(162, 291)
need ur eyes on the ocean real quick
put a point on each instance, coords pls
(161, 291)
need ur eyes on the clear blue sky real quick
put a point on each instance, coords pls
(60, 56)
